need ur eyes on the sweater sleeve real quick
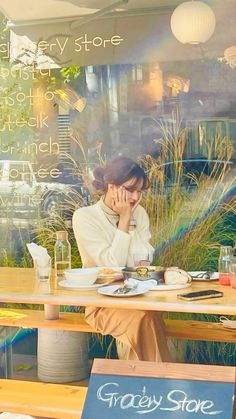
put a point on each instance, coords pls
(93, 244)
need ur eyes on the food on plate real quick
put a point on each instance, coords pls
(170, 276)
(175, 275)
(107, 271)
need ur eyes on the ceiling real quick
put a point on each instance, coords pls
(32, 11)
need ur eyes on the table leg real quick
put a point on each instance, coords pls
(62, 354)
(7, 342)
(51, 312)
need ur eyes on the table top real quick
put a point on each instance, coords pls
(18, 285)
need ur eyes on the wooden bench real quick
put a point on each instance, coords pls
(42, 399)
(176, 329)
(66, 401)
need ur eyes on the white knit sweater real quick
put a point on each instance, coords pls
(101, 243)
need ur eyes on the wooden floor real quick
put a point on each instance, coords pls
(25, 369)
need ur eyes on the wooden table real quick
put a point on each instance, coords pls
(17, 285)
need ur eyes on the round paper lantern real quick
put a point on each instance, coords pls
(193, 22)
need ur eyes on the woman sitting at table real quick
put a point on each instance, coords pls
(108, 234)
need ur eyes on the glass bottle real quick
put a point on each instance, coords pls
(234, 252)
(224, 262)
(62, 254)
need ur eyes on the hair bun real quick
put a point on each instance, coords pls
(98, 181)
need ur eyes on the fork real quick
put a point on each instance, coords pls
(124, 290)
(204, 275)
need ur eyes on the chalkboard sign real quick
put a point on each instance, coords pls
(134, 389)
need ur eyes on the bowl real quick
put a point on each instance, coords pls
(81, 276)
(144, 272)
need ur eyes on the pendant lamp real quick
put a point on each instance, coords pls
(193, 22)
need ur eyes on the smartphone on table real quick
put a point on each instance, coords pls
(200, 295)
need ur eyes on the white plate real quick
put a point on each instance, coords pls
(109, 290)
(67, 284)
(214, 276)
(166, 287)
(117, 272)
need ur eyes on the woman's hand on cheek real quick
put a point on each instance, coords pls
(120, 203)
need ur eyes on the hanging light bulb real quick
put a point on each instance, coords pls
(193, 22)
(230, 56)
(177, 84)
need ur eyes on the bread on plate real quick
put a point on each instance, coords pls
(175, 275)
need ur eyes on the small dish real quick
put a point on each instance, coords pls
(196, 276)
(143, 273)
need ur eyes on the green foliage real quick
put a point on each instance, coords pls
(65, 76)
(45, 235)
(13, 251)
(188, 224)
(70, 73)
(7, 260)
(187, 212)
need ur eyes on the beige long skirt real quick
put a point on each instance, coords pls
(142, 332)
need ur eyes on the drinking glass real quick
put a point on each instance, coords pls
(42, 270)
(224, 262)
(141, 259)
(232, 270)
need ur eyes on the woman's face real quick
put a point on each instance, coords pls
(133, 188)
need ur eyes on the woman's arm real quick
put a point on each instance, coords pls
(94, 245)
